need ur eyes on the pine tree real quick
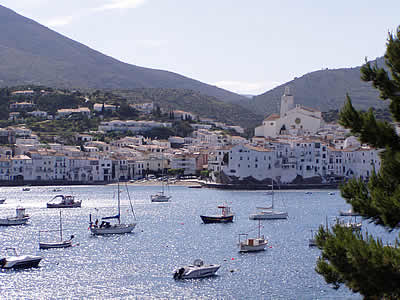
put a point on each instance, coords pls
(360, 261)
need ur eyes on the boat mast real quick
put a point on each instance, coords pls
(119, 207)
(259, 228)
(272, 187)
(61, 238)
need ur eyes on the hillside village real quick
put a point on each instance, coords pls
(295, 146)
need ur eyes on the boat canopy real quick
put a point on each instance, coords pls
(112, 217)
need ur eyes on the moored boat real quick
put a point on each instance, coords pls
(226, 216)
(64, 201)
(197, 270)
(55, 244)
(2, 200)
(20, 219)
(106, 227)
(14, 261)
(348, 213)
(252, 244)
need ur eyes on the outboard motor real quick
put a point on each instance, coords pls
(178, 274)
(3, 262)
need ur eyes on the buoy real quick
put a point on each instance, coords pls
(232, 258)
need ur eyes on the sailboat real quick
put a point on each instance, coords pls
(56, 244)
(269, 213)
(252, 244)
(106, 227)
(161, 196)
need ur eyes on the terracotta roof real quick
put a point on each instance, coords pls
(272, 117)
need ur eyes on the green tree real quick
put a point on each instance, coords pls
(360, 261)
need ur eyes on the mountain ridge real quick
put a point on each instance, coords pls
(27, 47)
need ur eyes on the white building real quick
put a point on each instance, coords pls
(295, 120)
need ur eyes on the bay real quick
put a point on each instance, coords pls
(170, 235)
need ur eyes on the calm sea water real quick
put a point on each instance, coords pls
(169, 235)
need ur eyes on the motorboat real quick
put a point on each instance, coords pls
(197, 270)
(20, 219)
(269, 213)
(57, 190)
(225, 216)
(312, 241)
(55, 244)
(252, 244)
(106, 227)
(2, 200)
(353, 225)
(14, 261)
(64, 201)
(348, 213)
(26, 189)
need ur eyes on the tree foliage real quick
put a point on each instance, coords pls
(361, 262)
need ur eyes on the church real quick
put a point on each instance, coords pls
(293, 119)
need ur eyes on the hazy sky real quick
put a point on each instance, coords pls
(244, 46)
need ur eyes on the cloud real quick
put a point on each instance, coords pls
(121, 4)
(247, 88)
(59, 21)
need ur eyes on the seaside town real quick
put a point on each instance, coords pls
(294, 146)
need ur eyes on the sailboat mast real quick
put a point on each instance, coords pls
(61, 238)
(259, 228)
(273, 194)
(119, 207)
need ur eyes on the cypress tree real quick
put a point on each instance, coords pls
(363, 262)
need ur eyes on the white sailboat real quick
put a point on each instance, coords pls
(269, 213)
(55, 244)
(252, 244)
(106, 227)
(161, 196)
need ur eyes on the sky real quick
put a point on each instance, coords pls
(247, 47)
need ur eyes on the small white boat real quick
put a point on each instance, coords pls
(20, 219)
(64, 201)
(353, 225)
(2, 200)
(252, 244)
(348, 213)
(14, 261)
(55, 244)
(197, 270)
(160, 197)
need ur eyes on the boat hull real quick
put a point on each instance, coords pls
(243, 247)
(158, 198)
(57, 205)
(2, 200)
(13, 221)
(216, 219)
(269, 216)
(114, 229)
(193, 272)
(51, 245)
(20, 262)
